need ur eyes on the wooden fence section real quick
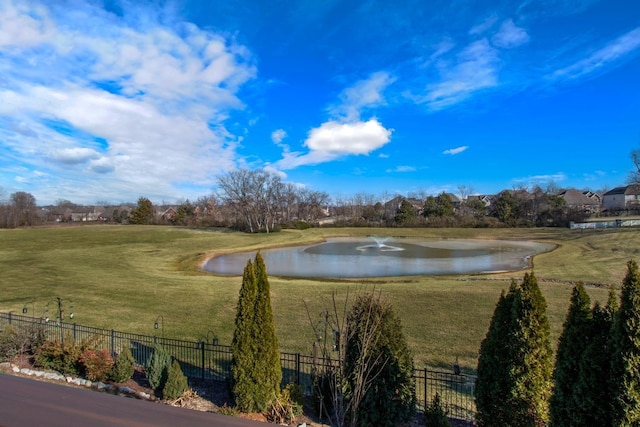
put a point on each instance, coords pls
(203, 360)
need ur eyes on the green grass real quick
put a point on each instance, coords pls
(124, 277)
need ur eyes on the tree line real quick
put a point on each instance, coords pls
(258, 201)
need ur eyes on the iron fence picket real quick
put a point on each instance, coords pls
(203, 360)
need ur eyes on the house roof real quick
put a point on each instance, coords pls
(627, 190)
(577, 198)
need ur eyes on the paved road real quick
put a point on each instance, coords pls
(26, 402)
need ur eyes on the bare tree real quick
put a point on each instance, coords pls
(634, 176)
(335, 338)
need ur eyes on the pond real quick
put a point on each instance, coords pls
(386, 257)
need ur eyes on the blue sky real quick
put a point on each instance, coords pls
(113, 100)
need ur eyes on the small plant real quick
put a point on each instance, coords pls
(228, 410)
(96, 364)
(123, 367)
(8, 344)
(286, 406)
(176, 383)
(157, 368)
(59, 356)
(19, 341)
(435, 415)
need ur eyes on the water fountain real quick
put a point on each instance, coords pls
(380, 245)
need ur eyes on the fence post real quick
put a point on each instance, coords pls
(297, 368)
(75, 337)
(9, 317)
(425, 388)
(113, 336)
(202, 352)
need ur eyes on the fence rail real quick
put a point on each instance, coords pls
(212, 361)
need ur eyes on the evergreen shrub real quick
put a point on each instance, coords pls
(157, 368)
(123, 367)
(436, 415)
(176, 383)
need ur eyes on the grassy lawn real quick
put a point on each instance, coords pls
(124, 277)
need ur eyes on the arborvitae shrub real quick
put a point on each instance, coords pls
(436, 415)
(176, 383)
(515, 365)
(573, 342)
(96, 364)
(625, 362)
(242, 345)
(157, 368)
(267, 370)
(123, 367)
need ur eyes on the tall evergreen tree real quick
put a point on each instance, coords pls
(267, 369)
(515, 364)
(592, 392)
(625, 363)
(573, 342)
(243, 348)
(492, 384)
(532, 368)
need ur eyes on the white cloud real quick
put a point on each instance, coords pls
(155, 96)
(23, 25)
(537, 179)
(454, 151)
(624, 45)
(278, 135)
(475, 69)
(363, 94)
(510, 36)
(71, 156)
(333, 140)
(402, 169)
(484, 25)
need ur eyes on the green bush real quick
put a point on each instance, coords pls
(157, 368)
(123, 367)
(176, 383)
(60, 356)
(96, 364)
(436, 415)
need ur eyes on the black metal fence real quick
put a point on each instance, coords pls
(211, 361)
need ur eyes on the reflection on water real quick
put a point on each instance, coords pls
(374, 257)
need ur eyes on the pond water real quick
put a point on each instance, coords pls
(384, 257)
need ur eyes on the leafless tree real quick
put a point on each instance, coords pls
(334, 338)
(634, 176)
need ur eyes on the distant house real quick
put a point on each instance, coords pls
(484, 198)
(455, 200)
(622, 198)
(585, 201)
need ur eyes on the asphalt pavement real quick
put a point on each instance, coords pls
(27, 402)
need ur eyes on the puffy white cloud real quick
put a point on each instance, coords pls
(155, 95)
(333, 140)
